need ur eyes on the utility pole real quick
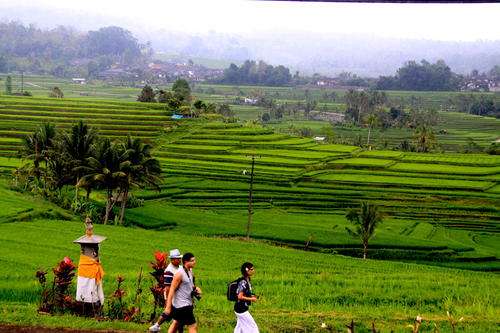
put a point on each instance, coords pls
(250, 197)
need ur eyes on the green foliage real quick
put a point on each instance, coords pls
(424, 138)
(421, 77)
(252, 72)
(388, 292)
(365, 221)
(112, 41)
(182, 90)
(225, 110)
(43, 51)
(56, 92)
(147, 95)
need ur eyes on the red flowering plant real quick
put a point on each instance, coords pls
(118, 308)
(64, 273)
(57, 298)
(158, 266)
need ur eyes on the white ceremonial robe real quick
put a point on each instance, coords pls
(88, 291)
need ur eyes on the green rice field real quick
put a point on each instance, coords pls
(436, 251)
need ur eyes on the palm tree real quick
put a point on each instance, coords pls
(77, 145)
(36, 146)
(424, 138)
(371, 121)
(140, 168)
(365, 222)
(31, 149)
(104, 170)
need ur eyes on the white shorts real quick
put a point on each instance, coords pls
(245, 323)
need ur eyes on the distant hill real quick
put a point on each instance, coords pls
(308, 53)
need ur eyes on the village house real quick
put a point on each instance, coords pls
(79, 80)
(193, 72)
(327, 82)
(251, 101)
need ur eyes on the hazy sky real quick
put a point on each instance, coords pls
(426, 21)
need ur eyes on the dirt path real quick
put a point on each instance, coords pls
(35, 329)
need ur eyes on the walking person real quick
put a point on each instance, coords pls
(180, 296)
(173, 267)
(245, 297)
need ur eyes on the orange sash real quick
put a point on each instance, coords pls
(90, 268)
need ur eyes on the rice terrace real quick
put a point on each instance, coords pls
(361, 202)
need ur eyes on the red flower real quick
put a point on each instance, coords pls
(66, 264)
(160, 257)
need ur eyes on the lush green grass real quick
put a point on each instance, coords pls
(21, 115)
(298, 290)
(396, 180)
(442, 168)
(440, 209)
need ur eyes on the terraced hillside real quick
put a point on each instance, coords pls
(20, 116)
(299, 175)
(297, 181)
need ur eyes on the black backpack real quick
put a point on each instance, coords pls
(232, 287)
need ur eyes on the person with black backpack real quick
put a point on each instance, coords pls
(240, 291)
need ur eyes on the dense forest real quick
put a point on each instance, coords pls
(258, 73)
(64, 51)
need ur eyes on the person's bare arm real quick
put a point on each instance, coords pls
(173, 288)
(165, 294)
(242, 297)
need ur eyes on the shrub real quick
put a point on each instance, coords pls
(56, 298)
(56, 92)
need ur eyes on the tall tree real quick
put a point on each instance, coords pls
(365, 221)
(147, 95)
(56, 92)
(112, 41)
(424, 138)
(36, 146)
(182, 90)
(105, 170)
(371, 121)
(140, 169)
(77, 145)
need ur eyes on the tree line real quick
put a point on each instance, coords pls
(371, 109)
(81, 159)
(256, 73)
(481, 105)
(180, 101)
(63, 51)
(438, 76)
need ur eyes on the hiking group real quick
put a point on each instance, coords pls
(180, 289)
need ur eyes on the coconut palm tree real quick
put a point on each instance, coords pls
(140, 167)
(77, 146)
(105, 170)
(425, 139)
(371, 121)
(365, 222)
(36, 146)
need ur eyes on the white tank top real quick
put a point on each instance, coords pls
(182, 295)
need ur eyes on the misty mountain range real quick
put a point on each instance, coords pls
(327, 54)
